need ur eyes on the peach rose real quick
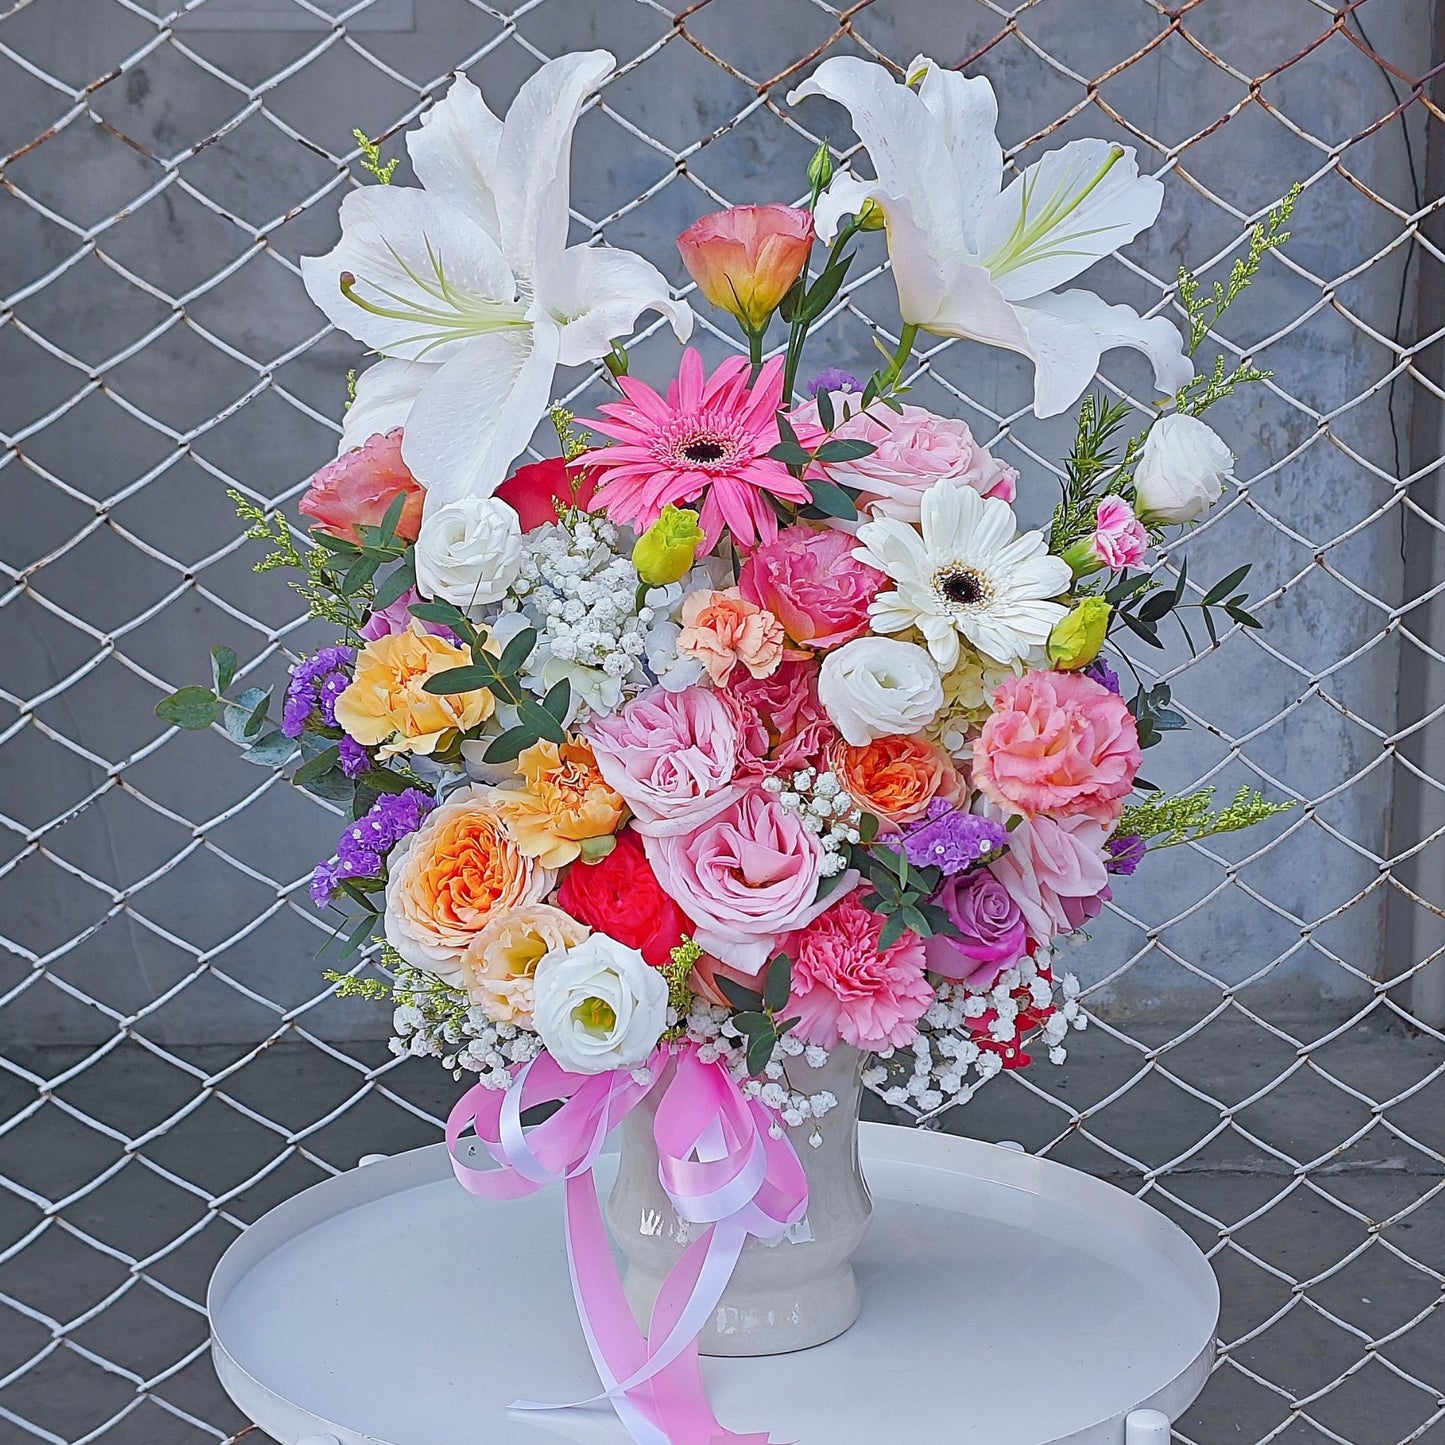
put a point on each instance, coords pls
(499, 964)
(896, 777)
(1057, 743)
(565, 802)
(722, 629)
(387, 702)
(460, 870)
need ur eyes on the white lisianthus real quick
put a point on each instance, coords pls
(877, 687)
(599, 1006)
(1182, 471)
(469, 552)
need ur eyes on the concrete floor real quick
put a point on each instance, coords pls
(1380, 1195)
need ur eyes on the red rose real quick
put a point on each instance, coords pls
(621, 897)
(356, 490)
(531, 490)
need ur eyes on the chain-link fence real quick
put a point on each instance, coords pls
(1267, 1063)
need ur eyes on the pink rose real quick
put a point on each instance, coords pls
(1057, 742)
(809, 579)
(723, 629)
(745, 877)
(779, 716)
(991, 933)
(845, 987)
(1054, 870)
(915, 449)
(356, 489)
(671, 755)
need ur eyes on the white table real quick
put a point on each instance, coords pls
(1007, 1301)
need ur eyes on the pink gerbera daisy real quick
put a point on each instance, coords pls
(709, 438)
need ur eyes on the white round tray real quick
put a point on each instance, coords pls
(1007, 1301)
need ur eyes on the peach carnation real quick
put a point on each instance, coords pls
(387, 701)
(897, 776)
(500, 962)
(1057, 743)
(564, 803)
(461, 869)
(723, 629)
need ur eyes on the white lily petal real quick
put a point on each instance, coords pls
(1069, 332)
(844, 195)
(904, 139)
(384, 395)
(477, 414)
(596, 294)
(967, 114)
(429, 275)
(454, 152)
(1068, 210)
(532, 182)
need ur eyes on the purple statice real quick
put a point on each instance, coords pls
(1104, 675)
(362, 848)
(316, 682)
(1126, 853)
(355, 759)
(834, 379)
(951, 838)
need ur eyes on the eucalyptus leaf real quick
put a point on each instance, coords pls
(192, 708)
(505, 747)
(396, 583)
(534, 716)
(559, 700)
(845, 449)
(778, 984)
(359, 574)
(223, 669)
(737, 995)
(831, 499)
(516, 652)
(316, 767)
(459, 679)
(272, 751)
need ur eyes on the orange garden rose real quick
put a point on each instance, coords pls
(896, 777)
(565, 802)
(460, 870)
(386, 702)
(498, 966)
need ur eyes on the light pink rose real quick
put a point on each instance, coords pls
(779, 717)
(745, 877)
(356, 489)
(671, 755)
(809, 579)
(724, 630)
(1119, 538)
(1057, 742)
(915, 449)
(1054, 871)
(845, 987)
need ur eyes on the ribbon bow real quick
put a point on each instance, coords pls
(726, 1166)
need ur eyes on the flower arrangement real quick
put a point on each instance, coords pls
(755, 723)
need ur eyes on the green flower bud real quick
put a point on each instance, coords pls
(667, 549)
(1078, 637)
(871, 217)
(820, 168)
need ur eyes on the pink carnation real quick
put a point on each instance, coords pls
(356, 490)
(671, 755)
(809, 579)
(915, 449)
(780, 718)
(1054, 871)
(846, 987)
(1057, 742)
(745, 877)
(1119, 538)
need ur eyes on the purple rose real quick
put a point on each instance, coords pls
(991, 933)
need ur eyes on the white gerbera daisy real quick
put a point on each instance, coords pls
(970, 571)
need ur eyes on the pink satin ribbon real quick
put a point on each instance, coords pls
(726, 1166)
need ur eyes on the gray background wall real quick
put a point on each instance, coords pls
(160, 349)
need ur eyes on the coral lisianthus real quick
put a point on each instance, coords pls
(708, 438)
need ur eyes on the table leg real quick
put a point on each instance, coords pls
(1147, 1427)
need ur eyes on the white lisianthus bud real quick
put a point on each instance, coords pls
(469, 552)
(599, 1006)
(1182, 471)
(876, 687)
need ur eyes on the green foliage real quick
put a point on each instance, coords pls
(756, 1015)
(829, 499)
(1141, 603)
(348, 985)
(900, 893)
(572, 441)
(1186, 818)
(1089, 460)
(371, 158)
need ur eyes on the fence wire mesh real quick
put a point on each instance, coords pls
(1266, 1064)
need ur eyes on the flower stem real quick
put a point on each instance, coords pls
(755, 352)
(888, 381)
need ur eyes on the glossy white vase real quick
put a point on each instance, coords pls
(788, 1295)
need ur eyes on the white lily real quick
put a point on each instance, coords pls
(975, 261)
(468, 287)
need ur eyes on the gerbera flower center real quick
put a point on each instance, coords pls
(704, 450)
(702, 442)
(963, 587)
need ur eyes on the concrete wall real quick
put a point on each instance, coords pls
(190, 363)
